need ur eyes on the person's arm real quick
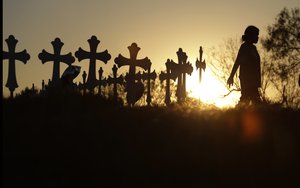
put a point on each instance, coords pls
(234, 69)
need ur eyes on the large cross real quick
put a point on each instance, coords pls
(131, 85)
(182, 61)
(175, 71)
(115, 80)
(45, 56)
(12, 56)
(180, 70)
(201, 65)
(92, 56)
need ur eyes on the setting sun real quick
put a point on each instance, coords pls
(210, 90)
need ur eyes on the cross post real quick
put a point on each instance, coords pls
(43, 85)
(84, 81)
(100, 72)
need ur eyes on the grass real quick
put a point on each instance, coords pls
(75, 141)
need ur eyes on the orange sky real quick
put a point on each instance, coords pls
(159, 27)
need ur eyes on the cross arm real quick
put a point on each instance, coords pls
(103, 56)
(68, 58)
(187, 68)
(163, 76)
(45, 56)
(5, 55)
(21, 56)
(103, 82)
(146, 75)
(82, 54)
(200, 64)
(110, 80)
(120, 80)
(144, 63)
(122, 61)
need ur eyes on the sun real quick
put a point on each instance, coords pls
(210, 90)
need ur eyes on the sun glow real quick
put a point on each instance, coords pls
(210, 90)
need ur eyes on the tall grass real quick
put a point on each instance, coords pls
(89, 141)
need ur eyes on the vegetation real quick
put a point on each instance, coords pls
(89, 141)
(283, 42)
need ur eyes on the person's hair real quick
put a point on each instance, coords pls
(250, 32)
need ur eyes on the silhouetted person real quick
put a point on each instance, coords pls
(249, 61)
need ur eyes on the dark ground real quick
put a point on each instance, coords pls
(94, 143)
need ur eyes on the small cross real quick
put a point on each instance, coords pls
(102, 82)
(201, 65)
(84, 81)
(43, 85)
(115, 80)
(148, 76)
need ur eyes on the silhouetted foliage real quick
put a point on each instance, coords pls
(283, 38)
(89, 141)
(283, 41)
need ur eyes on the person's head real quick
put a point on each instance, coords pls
(251, 34)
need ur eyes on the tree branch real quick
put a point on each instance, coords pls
(230, 91)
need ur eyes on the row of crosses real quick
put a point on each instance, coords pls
(133, 81)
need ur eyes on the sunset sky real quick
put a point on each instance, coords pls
(159, 27)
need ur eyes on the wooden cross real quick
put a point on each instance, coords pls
(148, 76)
(102, 82)
(179, 71)
(181, 86)
(201, 65)
(32, 87)
(12, 56)
(92, 56)
(115, 80)
(43, 85)
(167, 76)
(84, 77)
(133, 88)
(44, 56)
(84, 82)
(175, 71)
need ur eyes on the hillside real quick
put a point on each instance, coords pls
(88, 141)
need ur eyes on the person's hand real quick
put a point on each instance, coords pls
(230, 81)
